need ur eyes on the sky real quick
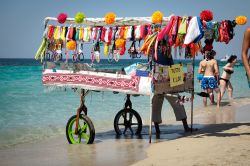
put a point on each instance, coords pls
(22, 21)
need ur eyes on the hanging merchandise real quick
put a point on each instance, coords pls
(106, 49)
(179, 33)
(70, 33)
(45, 32)
(137, 32)
(41, 50)
(216, 30)
(165, 30)
(81, 34)
(241, 20)
(208, 45)
(172, 33)
(77, 33)
(208, 30)
(110, 18)
(149, 39)
(108, 35)
(132, 51)
(51, 31)
(71, 45)
(79, 17)
(86, 34)
(114, 53)
(94, 33)
(194, 31)
(103, 32)
(206, 15)
(119, 43)
(231, 25)
(224, 36)
(129, 32)
(63, 33)
(80, 52)
(58, 51)
(183, 26)
(97, 52)
(122, 31)
(157, 17)
(62, 17)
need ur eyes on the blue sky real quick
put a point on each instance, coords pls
(22, 21)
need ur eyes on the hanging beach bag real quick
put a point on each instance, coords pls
(183, 27)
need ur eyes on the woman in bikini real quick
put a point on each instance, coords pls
(226, 75)
(211, 74)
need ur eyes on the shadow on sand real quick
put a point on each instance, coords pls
(170, 132)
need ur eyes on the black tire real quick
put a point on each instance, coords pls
(122, 123)
(86, 135)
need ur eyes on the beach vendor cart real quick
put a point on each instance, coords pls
(160, 39)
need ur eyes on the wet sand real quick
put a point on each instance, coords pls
(228, 129)
(107, 150)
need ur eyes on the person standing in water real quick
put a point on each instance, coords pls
(199, 77)
(211, 75)
(244, 53)
(226, 75)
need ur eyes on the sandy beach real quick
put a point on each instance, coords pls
(225, 142)
(223, 139)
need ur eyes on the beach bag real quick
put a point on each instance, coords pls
(230, 29)
(183, 27)
(224, 36)
(216, 35)
(209, 31)
(175, 29)
(165, 31)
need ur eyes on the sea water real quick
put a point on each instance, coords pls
(31, 112)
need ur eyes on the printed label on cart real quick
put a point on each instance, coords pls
(176, 75)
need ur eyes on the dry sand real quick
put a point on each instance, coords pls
(224, 140)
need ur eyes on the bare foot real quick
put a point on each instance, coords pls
(218, 107)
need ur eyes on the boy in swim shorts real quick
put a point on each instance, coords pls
(210, 80)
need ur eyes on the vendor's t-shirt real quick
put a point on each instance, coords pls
(164, 60)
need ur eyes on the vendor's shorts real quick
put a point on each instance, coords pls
(209, 82)
(157, 102)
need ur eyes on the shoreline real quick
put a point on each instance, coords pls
(109, 150)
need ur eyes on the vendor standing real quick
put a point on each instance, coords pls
(165, 58)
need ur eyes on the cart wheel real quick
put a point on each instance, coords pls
(86, 130)
(127, 119)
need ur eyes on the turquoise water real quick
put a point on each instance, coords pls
(30, 112)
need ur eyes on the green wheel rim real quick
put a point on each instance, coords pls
(82, 131)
